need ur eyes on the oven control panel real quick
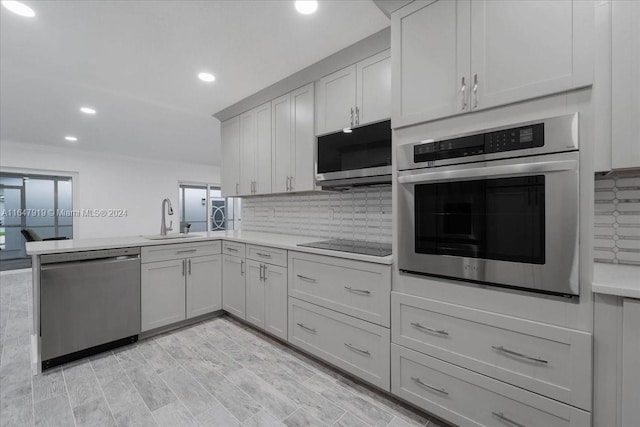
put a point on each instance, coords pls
(518, 138)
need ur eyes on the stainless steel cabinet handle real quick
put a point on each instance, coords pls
(291, 183)
(241, 267)
(183, 266)
(189, 251)
(359, 350)
(308, 279)
(189, 267)
(503, 418)
(475, 91)
(232, 249)
(306, 327)
(515, 353)
(264, 272)
(288, 184)
(430, 387)
(357, 291)
(425, 328)
(463, 91)
(260, 254)
(237, 185)
(261, 277)
(351, 122)
(357, 116)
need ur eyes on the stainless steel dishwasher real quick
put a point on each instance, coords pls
(89, 302)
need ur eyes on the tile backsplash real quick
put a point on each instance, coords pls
(617, 219)
(359, 214)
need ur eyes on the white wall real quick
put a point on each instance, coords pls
(104, 181)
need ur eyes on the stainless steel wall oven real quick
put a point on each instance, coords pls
(497, 207)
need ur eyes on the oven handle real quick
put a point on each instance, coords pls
(489, 171)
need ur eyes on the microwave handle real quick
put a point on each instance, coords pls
(489, 171)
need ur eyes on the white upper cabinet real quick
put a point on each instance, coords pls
(292, 141)
(431, 62)
(255, 143)
(526, 49)
(453, 57)
(230, 182)
(337, 100)
(625, 84)
(373, 88)
(356, 95)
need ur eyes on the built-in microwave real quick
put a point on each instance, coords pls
(497, 207)
(355, 156)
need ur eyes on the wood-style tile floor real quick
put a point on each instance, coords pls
(216, 373)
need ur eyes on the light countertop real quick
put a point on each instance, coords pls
(616, 279)
(282, 241)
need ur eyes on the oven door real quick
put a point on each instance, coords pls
(511, 223)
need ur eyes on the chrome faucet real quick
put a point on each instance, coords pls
(163, 226)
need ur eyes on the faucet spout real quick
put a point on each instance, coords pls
(163, 225)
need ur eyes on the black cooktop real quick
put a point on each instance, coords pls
(353, 246)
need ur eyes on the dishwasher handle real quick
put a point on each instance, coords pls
(121, 258)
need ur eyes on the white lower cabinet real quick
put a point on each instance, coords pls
(179, 282)
(630, 362)
(549, 360)
(233, 285)
(467, 398)
(266, 289)
(360, 348)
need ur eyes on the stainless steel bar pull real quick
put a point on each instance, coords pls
(358, 291)
(260, 254)
(357, 116)
(463, 91)
(430, 387)
(183, 266)
(425, 328)
(306, 327)
(475, 91)
(515, 353)
(351, 117)
(241, 267)
(359, 350)
(308, 279)
(508, 420)
(232, 249)
(188, 251)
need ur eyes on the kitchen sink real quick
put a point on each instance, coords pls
(169, 236)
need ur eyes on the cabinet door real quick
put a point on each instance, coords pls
(630, 361)
(373, 92)
(625, 88)
(233, 286)
(337, 100)
(302, 170)
(430, 44)
(527, 49)
(248, 151)
(255, 294)
(281, 133)
(262, 156)
(204, 285)
(230, 130)
(275, 300)
(162, 293)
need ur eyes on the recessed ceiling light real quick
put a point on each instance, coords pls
(87, 110)
(71, 138)
(306, 7)
(206, 77)
(19, 8)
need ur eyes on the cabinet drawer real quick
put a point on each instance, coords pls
(267, 255)
(549, 360)
(467, 398)
(357, 288)
(233, 248)
(180, 250)
(356, 346)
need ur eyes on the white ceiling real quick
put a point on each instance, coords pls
(136, 63)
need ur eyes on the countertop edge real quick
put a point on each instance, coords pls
(616, 279)
(280, 241)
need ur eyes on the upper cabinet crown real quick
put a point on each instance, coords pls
(356, 95)
(457, 56)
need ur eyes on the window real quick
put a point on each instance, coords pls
(205, 209)
(42, 203)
